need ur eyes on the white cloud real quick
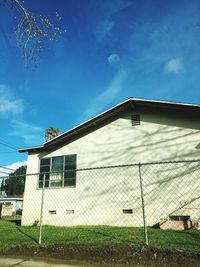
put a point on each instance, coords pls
(31, 134)
(9, 105)
(16, 165)
(107, 97)
(174, 65)
(11, 168)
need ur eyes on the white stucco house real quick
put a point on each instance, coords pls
(133, 131)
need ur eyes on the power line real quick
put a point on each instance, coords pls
(7, 144)
(4, 173)
(3, 167)
(3, 152)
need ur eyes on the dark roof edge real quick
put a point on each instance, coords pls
(42, 147)
(26, 149)
(167, 104)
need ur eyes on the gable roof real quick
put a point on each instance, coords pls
(130, 103)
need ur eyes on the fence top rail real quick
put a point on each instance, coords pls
(170, 162)
(108, 167)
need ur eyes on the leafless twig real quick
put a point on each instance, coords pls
(33, 31)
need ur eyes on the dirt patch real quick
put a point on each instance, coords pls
(122, 255)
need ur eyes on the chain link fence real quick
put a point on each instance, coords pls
(156, 204)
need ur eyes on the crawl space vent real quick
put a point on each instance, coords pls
(69, 211)
(52, 212)
(127, 211)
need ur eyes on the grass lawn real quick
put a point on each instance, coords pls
(12, 235)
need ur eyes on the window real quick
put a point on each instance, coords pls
(179, 217)
(70, 170)
(59, 171)
(44, 169)
(56, 175)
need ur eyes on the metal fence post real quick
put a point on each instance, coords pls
(41, 210)
(143, 207)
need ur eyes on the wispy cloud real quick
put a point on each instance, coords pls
(31, 134)
(105, 26)
(103, 30)
(9, 105)
(110, 8)
(107, 97)
(174, 65)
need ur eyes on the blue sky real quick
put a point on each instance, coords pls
(112, 50)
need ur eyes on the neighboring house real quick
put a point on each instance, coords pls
(10, 206)
(134, 131)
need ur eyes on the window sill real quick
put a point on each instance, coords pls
(61, 187)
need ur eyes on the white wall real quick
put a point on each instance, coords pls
(100, 195)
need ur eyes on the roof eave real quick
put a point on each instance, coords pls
(108, 113)
(26, 149)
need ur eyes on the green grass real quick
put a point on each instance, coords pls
(11, 235)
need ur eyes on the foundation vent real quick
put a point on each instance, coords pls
(70, 211)
(127, 211)
(52, 212)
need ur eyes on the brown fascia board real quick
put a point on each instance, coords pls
(133, 103)
(34, 148)
(88, 124)
(166, 105)
(80, 128)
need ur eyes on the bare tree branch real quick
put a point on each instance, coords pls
(32, 31)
